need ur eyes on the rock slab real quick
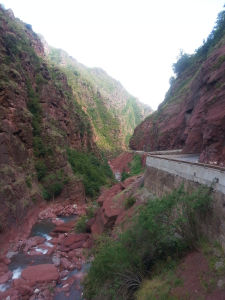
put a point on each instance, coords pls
(40, 273)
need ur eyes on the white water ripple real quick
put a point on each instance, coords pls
(4, 287)
(46, 236)
(48, 244)
(43, 251)
(17, 273)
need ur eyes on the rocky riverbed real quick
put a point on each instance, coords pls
(45, 259)
(50, 262)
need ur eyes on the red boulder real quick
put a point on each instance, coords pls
(40, 273)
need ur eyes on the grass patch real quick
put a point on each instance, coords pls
(163, 279)
(159, 287)
(214, 254)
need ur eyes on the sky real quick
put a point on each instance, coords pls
(134, 41)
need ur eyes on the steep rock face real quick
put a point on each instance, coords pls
(121, 163)
(113, 210)
(39, 120)
(112, 111)
(192, 115)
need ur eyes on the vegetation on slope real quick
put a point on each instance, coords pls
(40, 119)
(164, 229)
(135, 167)
(52, 182)
(191, 116)
(112, 111)
(188, 64)
(203, 51)
(93, 172)
(205, 267)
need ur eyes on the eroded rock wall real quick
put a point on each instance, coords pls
(192, 115)
(39, 120)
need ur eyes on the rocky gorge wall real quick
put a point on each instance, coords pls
(39, 120)
(48, 109)
(192, 116)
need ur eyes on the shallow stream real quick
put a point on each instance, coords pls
(21, 260)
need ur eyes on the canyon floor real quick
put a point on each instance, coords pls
(44, 258)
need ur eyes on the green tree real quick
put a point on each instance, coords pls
(182, 63)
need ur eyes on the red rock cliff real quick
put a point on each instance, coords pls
(39, 119)
(192, 115)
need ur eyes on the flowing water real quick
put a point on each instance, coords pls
(74, 293)
(22, 260)
(43, 229)
(4, 287)
(67, 219)
(117, 175)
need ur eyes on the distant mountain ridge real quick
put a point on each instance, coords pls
(113, 112)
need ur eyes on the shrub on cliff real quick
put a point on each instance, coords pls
(183, 62)
(214, 37)
(93, 172)
(129, 202)
(135, 167)
(41, 169)
(53, 184)
(81, 225)
(165, 227)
